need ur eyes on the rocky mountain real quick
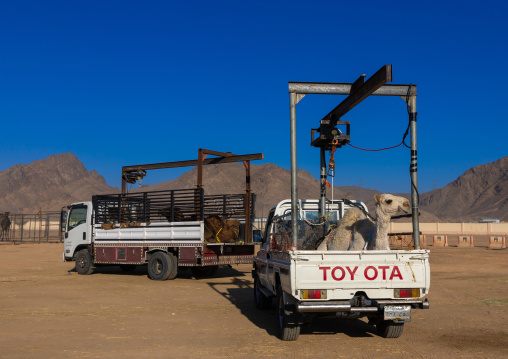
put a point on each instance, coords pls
(480, 192)
(49, 184)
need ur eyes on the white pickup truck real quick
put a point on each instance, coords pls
(381, 285)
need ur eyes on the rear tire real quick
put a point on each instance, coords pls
(174, 269)
(160, 266)
(262, 301)
(84, 262)
(286, 331)
(389, 329)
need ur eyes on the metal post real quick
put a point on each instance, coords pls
(22, 225)
(145, 203)
(322, 209)
(30, 229)
(201, 157)
(247, 204)
(13, 233)
(414, 173)
(294, 183)
(46, 230)
(40, 225)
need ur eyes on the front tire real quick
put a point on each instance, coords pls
(84, 262)
(160, 266)
(389, 329)
(287, 331)
(262, 301)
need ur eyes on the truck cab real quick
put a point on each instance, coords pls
(77, 229)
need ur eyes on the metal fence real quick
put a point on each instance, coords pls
(32, 228)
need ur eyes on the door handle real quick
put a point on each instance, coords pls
(84, 236)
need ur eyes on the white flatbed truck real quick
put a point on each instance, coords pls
(165, 230)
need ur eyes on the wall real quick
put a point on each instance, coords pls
(453, 228)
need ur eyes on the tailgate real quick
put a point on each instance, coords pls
(376, 273)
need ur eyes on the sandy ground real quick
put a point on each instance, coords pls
(46, 312)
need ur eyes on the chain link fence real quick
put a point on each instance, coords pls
(40, 227)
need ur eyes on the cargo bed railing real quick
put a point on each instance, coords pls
(172, 205)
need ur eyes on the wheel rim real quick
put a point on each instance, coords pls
(82, 263)
(157, 267)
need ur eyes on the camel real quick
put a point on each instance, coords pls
(356, 232)
(5, 224)
(219, 230)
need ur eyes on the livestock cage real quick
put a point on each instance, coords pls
(170, 205)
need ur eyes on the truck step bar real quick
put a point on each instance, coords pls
(332, 307)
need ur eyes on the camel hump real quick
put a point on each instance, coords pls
(352, 216)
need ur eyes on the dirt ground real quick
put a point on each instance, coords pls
(48, 312)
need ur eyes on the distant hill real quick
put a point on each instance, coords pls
(480, 192)
(49, 184)
(56, 181)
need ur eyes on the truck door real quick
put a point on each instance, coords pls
(78, 229)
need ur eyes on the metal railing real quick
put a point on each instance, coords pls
(171, 205)
(39, 227)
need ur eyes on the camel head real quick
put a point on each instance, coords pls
(389, 205)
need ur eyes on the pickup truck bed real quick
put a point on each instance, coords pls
(376, 273)
(342, 274)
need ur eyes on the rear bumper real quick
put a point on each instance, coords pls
(345, 306)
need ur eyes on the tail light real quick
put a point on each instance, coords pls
(313, 294)
(407, 293)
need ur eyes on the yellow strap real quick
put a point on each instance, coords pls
(217, 236)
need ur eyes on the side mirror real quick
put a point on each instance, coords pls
(63, 220)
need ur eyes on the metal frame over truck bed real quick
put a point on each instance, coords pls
(357, 91)
(382, 285)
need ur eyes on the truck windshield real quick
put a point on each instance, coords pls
(313, 216)
(77, 216)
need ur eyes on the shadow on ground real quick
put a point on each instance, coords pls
(141, 270)
(240, 292)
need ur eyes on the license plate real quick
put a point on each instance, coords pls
(397, 312)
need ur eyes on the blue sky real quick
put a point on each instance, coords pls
(128, 82)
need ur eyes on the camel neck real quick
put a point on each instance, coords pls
(382, 226)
